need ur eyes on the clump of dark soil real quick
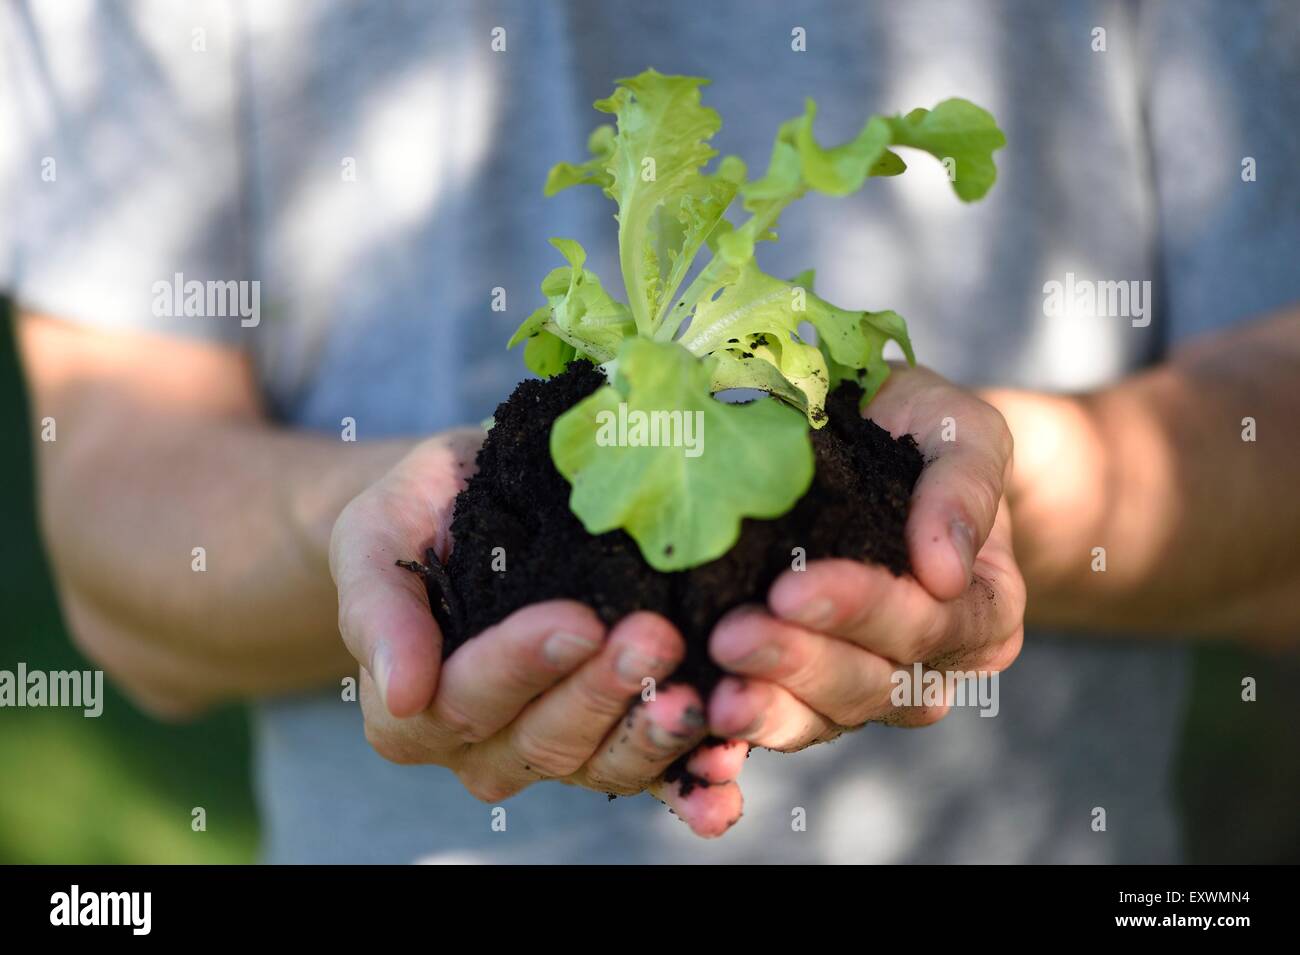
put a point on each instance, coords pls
(856, 508)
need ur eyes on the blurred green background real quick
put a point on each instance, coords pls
(121, 788)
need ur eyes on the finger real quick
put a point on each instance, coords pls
(384, 615)
(645, 742)
(894, 617)
(405, 740)
(987, 624)
(560, 731)
(492, 677)
(765, 714)
(709, 810)
(955, 500)
(838, 679)
(718, 762)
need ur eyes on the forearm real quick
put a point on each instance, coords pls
(1198, 526)
(254, 611)
(188, 535)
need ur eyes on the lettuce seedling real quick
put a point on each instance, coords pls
(668, 351)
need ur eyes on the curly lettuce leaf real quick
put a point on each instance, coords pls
(751, 320)
(854, 344)
(547, 355)
(682, 501)
(595, 171)
(959, 130)
(738, 327)
(581, 315)
(956, 129)
(652, 167)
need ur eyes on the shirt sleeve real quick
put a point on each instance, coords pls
(120, 163)
(1222, 97)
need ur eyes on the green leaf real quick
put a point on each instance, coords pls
(791, 370)
(582, 315)
(959, 130)
(594, 171)
(755, 318)
(682, 501)
(841, 170)
(546, 355)
(853, 343)
(665, 211)
(682, 226)
(955, 128)
(685, 507)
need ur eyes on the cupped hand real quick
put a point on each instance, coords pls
(820, 656)
(547, 693)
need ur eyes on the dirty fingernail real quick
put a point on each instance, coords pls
(963, 541)
(564, 649)
(692, 720)
(663, 738)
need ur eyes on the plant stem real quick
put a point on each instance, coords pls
(757, 224)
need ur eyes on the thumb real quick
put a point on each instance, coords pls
(385, 621)
(956, 500)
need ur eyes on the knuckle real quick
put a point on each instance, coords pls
(1016, 593)
(1006, 653)
(458, 723)
(793, 738)
(1004, 443)
(388, 747)
(487, 787)
(986, 493)
(546, 756)
(930, 640)
(601, 701)
(522, 676)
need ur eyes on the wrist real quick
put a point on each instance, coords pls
(313, 502)
(1057, 495)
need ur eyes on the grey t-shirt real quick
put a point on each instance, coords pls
(378, 169)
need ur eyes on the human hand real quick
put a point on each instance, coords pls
(545, 694)
(820, 657)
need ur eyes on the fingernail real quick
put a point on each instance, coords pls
(963, 540)
(816, 613)
(758, 661)
(381, 669)
(634, 666)
(692, 720)
(665, 739)
(565, 650)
